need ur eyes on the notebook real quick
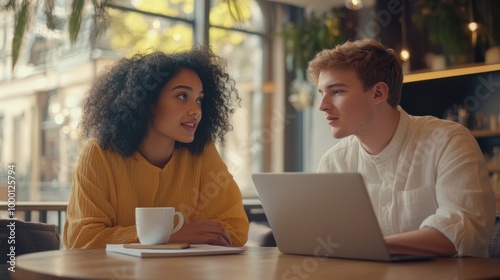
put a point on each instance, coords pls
(192, 250)
(323, 214)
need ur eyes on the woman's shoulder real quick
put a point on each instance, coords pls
(93, 154)
(92, 149)
(92, 146)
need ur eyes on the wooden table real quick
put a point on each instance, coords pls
(254, 263)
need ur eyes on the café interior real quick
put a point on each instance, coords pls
(450, 51)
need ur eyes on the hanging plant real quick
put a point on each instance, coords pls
(303, 41)
(315, 33)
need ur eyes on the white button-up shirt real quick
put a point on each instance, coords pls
(432, 174)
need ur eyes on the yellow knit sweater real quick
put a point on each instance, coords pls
(107, 187)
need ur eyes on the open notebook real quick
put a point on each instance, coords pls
(323, 214)
(193, 250)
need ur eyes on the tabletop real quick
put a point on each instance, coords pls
(254, 263)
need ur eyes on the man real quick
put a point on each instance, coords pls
(427, 178)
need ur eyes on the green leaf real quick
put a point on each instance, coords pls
(75, 20)
(103, 21)
(23, 21)
(234, 10)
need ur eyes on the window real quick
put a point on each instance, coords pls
(242, 44)
(53, 75)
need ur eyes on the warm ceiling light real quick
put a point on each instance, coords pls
(354, 4)
(473, 26)
(404, 55)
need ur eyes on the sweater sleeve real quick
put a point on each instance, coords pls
(91, 219)
(220, 197)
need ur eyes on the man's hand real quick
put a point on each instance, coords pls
(202, 231)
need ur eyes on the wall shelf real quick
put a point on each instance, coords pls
(485, 133)
(492, 168)
(452, 72)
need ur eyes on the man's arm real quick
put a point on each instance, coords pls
(425, 241)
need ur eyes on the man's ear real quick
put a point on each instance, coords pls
(380, 92)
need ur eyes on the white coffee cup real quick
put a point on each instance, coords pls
(156, 224)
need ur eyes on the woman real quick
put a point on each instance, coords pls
(150, 147)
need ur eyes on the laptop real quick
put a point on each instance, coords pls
(324, 215)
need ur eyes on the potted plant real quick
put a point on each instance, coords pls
(445, 23)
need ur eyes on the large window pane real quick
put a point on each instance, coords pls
(242, 151)
(250, 15)
(141, 33)
(241, 42)
(172, 8)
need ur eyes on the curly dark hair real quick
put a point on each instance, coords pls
(119, 105)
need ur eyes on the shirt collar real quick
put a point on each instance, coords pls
(396, 141)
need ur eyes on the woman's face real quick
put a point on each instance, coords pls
(177, 112)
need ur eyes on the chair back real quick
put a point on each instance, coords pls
(19, 238)
(26, 237)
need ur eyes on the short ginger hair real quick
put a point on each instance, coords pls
(369, 59)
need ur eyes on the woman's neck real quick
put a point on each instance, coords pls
(157, 150)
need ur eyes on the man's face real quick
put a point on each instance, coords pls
(348, 109)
